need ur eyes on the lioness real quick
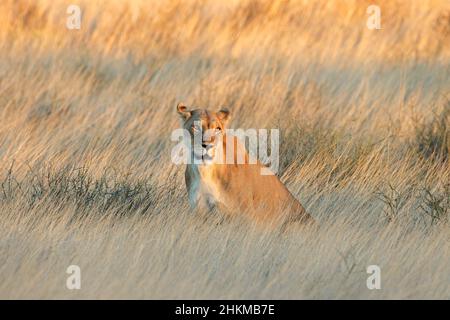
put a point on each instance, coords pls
(240, 188)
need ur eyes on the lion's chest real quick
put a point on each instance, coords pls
(209, 186)
(203, 187)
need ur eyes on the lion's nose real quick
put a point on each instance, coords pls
(207, 146)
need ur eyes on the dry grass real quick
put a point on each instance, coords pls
(86, 176)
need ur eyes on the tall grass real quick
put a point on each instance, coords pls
(85, 169)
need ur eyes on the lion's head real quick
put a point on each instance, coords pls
(206, 129)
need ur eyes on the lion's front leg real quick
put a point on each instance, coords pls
(198, 199)
(199, 194)
(202, 201)
(193, 195)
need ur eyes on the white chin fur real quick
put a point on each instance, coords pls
(205, 157)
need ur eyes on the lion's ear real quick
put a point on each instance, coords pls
(223, 115)
(183, 111)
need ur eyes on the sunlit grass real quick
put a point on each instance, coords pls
(86, 176)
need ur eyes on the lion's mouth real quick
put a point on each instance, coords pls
(205, 155)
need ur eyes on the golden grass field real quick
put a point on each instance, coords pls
(86, 176)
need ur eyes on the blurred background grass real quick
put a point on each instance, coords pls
(86, 117)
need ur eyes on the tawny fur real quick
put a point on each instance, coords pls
(240, 188)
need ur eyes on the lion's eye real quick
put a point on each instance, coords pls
(218, 129)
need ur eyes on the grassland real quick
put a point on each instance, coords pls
(86, 176)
